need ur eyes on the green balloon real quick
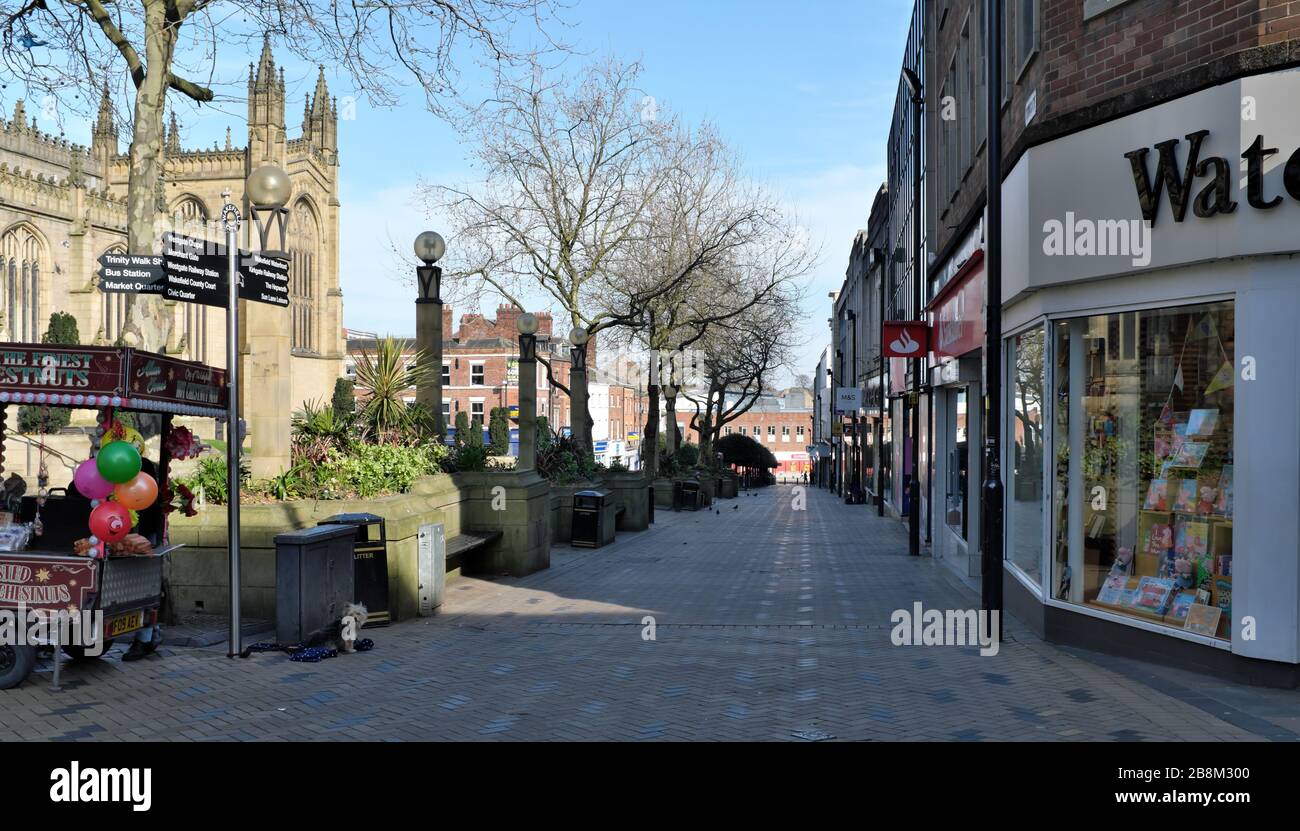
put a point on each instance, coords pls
(118, 462)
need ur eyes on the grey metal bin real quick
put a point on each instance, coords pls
(313, 580)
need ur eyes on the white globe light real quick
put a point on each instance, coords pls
(430, 246)
(527, 324)
(268, 187)
(579, 336)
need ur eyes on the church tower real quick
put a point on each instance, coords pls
(320, 120)
(266, 138)
(103, 141)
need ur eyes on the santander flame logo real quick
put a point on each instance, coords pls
(904, 344)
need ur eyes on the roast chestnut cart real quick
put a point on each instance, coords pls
(46, 574)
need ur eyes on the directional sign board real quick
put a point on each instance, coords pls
(141, 273)
(194, 270)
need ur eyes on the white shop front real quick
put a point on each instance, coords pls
(1152, 389)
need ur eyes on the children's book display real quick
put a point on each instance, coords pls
(1179, 571)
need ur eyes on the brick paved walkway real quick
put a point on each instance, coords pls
(771, 623)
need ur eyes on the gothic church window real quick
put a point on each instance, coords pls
(22, 257)
(304, 243)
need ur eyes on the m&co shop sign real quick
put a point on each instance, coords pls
(957, 312)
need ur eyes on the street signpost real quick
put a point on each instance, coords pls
(194, 270)
(139, 273)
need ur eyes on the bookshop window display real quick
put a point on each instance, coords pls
(1143, 465)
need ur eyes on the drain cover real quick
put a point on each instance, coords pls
(812, 735)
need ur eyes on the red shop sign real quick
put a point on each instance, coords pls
(957, 311)
(36, 369)
(51, 583)
(906, 339)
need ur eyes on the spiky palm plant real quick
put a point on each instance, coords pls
(385, 378)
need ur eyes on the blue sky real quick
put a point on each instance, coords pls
(803, 91)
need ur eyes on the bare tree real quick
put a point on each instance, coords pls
(738, 359)
(70, 49)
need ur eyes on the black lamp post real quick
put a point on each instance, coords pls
(882, 259)
(916, 93)
(992, 490)
(855, 458)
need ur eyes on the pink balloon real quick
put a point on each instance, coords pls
(89, 483)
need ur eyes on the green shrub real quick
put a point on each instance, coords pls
(462, 428)
(208, 482)
(469, 458)
(499, 431)
(367, 470)
(343, 403)
(38, 419)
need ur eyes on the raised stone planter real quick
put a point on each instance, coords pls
(629, 490)
(663, 493)
(728, 486)
(198, 574)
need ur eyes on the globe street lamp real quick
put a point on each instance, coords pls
(429, 248)
(267, 190)
(527, 326)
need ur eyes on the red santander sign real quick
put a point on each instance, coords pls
(906, 339)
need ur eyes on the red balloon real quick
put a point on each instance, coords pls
(110, 521)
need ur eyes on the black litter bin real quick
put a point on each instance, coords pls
(369, 564)
(588, 519)
(691, 495)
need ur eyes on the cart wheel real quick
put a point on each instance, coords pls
(78, 652)
(15, 664)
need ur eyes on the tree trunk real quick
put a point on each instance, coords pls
(148, 320)
(650, 437)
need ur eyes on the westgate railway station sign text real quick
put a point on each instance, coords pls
(195, 270)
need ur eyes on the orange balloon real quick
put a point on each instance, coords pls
(137, 494)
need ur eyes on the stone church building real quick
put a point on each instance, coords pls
(63, 205)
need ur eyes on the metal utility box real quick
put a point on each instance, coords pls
(432, 554)
(369, 564)
(313, 580)
(690, 495)
(588, 519)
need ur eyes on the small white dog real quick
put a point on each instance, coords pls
(354, 618)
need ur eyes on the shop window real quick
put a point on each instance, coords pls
(958, 461)
(1143, 452)
(1024, 529)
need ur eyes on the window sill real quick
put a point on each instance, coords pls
(1096, 8)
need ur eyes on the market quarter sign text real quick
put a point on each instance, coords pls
(1214, 196)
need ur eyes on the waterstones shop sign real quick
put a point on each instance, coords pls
(1210, 178)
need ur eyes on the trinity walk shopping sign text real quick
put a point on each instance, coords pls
(194, 270)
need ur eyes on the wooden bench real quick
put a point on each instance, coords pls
(465, 544)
